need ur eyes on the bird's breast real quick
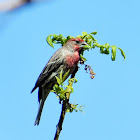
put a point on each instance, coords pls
(72, 60)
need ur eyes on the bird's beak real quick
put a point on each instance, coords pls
(83, 44)
(81, 47)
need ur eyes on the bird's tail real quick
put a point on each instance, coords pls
(41, 104)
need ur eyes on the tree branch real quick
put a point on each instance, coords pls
(61, 120)
(65, 104)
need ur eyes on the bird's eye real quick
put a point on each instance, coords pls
(77, 41)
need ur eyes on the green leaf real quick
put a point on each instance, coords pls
(106, 51)
(84, 37)
(113, 57)
(84, 33)
(91, 37)
(87, 47)
(68, 110)
(62, 97)
(58, 80)
(61, 73)
(60, 36)
(101, 49)
(83, 58)
(69, 37)
(58, 90)
(75, 80)
(72, 80)
(97, 45)
(94, 33)
(54, 37)
(79, 36)
(69, 89)
(122, 52)
(49, 40)
(65, 76)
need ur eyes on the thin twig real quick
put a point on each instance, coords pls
(61, 120)
(65, 104)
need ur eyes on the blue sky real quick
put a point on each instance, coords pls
(111, 99)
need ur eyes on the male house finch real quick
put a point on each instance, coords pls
(66, 58)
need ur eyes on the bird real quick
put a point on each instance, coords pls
(64, 59)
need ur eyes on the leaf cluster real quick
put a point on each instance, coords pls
(63, 92)
(90, 40)
(74, 107)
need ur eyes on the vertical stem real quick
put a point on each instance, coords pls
(64, 108)
(59, 126)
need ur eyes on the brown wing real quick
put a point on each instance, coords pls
(51, 67)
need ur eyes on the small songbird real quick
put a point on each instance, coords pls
(66, 58)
